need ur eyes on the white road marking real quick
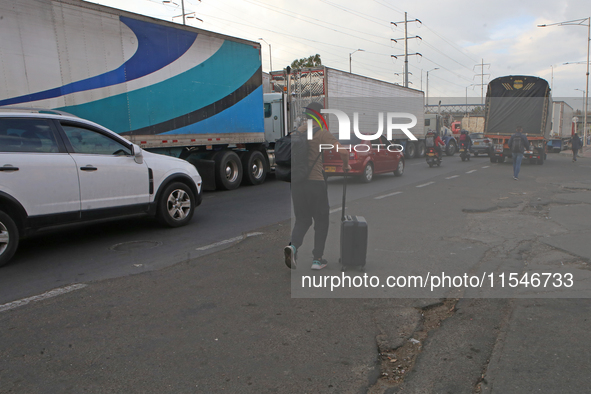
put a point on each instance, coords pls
(471, 171)
(40, 297)
(228, 241)
(452, 177)
(336, 210)
(426, 184)
(486, 167)
(387, 195)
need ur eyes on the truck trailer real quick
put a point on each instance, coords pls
(351, 93)
(169, 88)
(518, 100)
(562, 126)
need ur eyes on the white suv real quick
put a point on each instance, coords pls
(58, 169)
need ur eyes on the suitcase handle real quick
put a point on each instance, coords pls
(344, 196)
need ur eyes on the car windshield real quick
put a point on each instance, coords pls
(477, 135)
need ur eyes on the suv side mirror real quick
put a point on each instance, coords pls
(137, 154)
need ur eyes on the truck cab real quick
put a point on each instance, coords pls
(275, 120)
(434, 122)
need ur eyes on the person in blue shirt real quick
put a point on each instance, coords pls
(518, 144)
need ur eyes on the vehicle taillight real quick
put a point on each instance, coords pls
(486, 141)
(353, 155)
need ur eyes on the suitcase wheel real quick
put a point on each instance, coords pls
(343, 269)
(362, 269)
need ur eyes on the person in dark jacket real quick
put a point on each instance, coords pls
(310, 196)
(518, 144)
(576, 144)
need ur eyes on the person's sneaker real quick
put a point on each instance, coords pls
(515, 178)
(290, 256)
(319, 264)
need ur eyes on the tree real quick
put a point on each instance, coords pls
(310, 61)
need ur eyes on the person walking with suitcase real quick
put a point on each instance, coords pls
(576, 144)
(310, 196)
(518, 144)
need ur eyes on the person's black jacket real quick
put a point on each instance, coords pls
(576, 142)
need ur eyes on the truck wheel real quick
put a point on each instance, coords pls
(475, 154)
(176, 205)
(228, 170)
(451, 149)
(540, 161)
(420, 149)
(8, 238)
(367, 175)
(410, 150)
(254, 167)
(400, 169)
(493, 159)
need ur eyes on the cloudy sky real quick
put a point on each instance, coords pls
(456, 37)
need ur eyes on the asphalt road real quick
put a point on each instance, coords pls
(231, 320)
(134, 245)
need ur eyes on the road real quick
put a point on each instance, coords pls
(131, 246)
(234, 319)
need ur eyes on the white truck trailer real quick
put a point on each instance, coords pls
(350, 93)
(169, 88)
(562, 126)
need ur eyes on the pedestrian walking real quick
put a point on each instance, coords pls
(576, 145)
(518, 144)
(310, 196)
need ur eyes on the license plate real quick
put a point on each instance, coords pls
(430, 154)
(476, 143)
(330, 169)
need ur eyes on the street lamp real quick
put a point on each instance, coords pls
(357, 50)
(433, 69)
(270, 60)
(580, 22)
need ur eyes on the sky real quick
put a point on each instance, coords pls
(456, 37)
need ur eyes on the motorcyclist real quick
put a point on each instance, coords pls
(438, 144)
(465, 140)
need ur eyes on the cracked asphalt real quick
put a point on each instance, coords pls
(238, 321)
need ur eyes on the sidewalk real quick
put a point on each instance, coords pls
(584, 152)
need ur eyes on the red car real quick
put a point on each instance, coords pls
(367, 158)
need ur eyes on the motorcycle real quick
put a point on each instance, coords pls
(464, 153)
(432, 157)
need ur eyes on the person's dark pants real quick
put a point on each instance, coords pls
(575, 151)
(310, 203)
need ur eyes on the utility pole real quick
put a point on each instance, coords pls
(406, 38)
(481, 75)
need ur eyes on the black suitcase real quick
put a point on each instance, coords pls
(353, 238)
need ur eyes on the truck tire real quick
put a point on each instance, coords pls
(367, 174)
(410, 150)
(228, 170)
(451, 148)
(254, 167)
(493, 159)
(540, 161)
(176, 205)
(9, 238)
(400, 169)
(420, 149)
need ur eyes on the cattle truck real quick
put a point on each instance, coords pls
(169, 88)
(562, 126)
(518, 100)
(351, 93)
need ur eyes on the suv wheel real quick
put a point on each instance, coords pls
(8, 238)
(176, 206)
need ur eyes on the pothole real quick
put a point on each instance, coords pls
(132, 245)
(397, 363)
